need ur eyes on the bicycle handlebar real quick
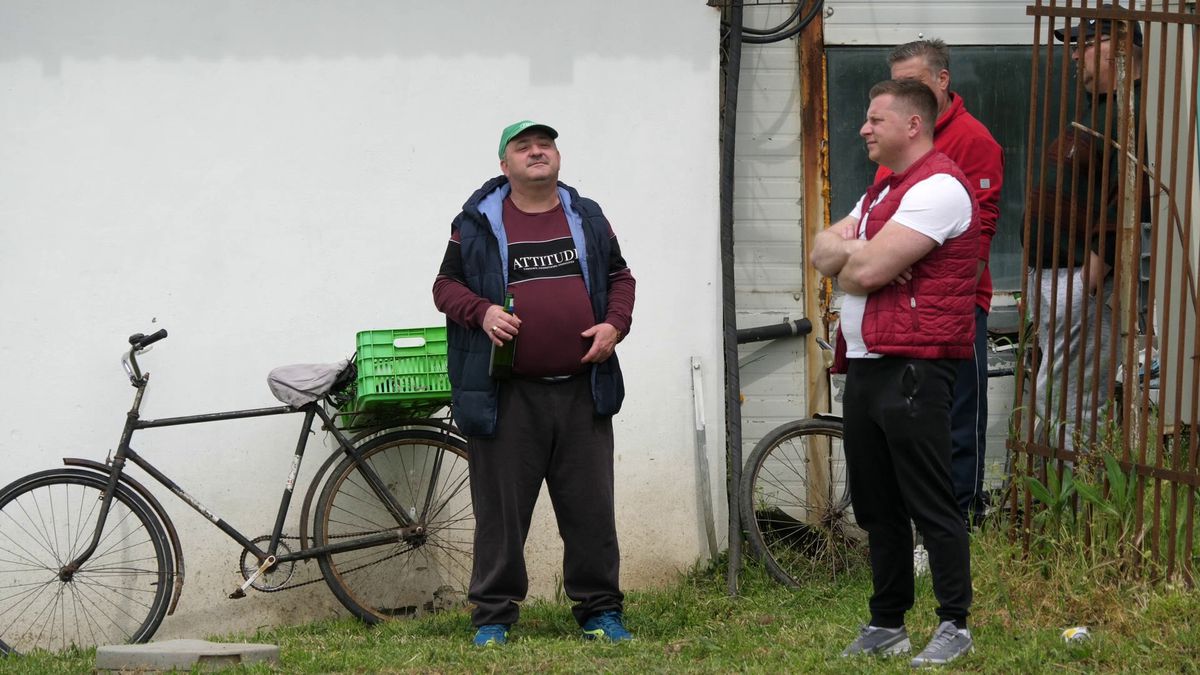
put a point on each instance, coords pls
(137, 343)
(140, 341)
(789, 328)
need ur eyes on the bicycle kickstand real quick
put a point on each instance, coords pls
(241, 591)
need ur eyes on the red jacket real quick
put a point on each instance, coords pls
(932, 316)
(965, 140)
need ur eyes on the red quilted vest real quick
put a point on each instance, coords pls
(932, 316)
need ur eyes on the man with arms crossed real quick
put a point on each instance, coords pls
(905, 257)
(526, 234)
(969, 144)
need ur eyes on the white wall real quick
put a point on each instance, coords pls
(768, 228)
(958, 22)
(264, 179)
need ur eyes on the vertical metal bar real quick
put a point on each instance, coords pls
(1186, 237)
(1130, 231)
(1049, 413)
(814, 157)
(1088, 330)
(702, 472)
(1151, 341)
(1072, 225)
(1128, 247)
(289, 486)
(1166, 346)
(1170, 350)
(733, 410)
(815, 170)
(1096, 222)
(1033, 304)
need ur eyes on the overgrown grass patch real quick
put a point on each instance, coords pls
(1021, 607)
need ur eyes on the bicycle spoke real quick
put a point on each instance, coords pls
(83, 531)
(122, 590)
(795, 501)
(28, 563)
(428, 477)
(94, 592)
(48, 612)
(443, 500)
(117, 594)
(32, 595)
(39, 541)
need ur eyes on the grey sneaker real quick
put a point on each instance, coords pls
(948, 643)
(882, 641)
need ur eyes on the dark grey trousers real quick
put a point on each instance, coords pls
(550, 432)
(897, 442)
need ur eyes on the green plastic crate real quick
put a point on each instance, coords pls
(400, 369)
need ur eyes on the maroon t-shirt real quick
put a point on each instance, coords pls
(549, 295)
(546, 282)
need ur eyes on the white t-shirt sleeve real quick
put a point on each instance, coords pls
(937, 207)
(857, 212)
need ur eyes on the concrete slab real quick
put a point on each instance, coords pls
(181, 655)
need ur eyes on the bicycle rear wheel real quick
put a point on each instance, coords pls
(120, 594)
(427, 473)
(795, 502)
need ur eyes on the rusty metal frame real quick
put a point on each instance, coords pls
(814, 157)
(1155, 172)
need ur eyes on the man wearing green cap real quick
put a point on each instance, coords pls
(526, 235)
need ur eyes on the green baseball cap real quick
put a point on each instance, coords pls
(517, 128)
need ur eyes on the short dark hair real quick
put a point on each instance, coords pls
(935, 52)
(914, 96)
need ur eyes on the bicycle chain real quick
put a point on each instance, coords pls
(321, 578)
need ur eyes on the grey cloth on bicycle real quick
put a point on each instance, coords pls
(304, 383)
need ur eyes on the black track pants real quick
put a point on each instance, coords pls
(897, 442)
(546, 431)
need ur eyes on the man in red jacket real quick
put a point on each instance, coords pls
(970, 145)
(904, 259)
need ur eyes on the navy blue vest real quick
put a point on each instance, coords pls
(475, 394)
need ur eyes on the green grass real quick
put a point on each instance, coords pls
(693, 626)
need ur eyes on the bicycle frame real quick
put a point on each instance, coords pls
(407, 529)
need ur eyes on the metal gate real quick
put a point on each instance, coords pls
(1109, 393)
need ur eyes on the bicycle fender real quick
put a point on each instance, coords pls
(168, 524)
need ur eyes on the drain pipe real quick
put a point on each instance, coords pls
(733, 396)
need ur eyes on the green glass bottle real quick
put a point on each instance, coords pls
(502, 357)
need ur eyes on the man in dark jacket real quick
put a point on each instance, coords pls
(1072, 245)
(527, 235)
(967, 142)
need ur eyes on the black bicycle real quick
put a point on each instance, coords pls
(794, 496)
(88, 556)
(795, 493)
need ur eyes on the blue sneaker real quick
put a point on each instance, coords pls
(608, 625)
(491, 634)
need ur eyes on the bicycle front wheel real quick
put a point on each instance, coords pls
(426, 472)
(119, 594)
(795, 502)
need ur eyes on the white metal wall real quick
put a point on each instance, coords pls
(768, 226)
(958, 22)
